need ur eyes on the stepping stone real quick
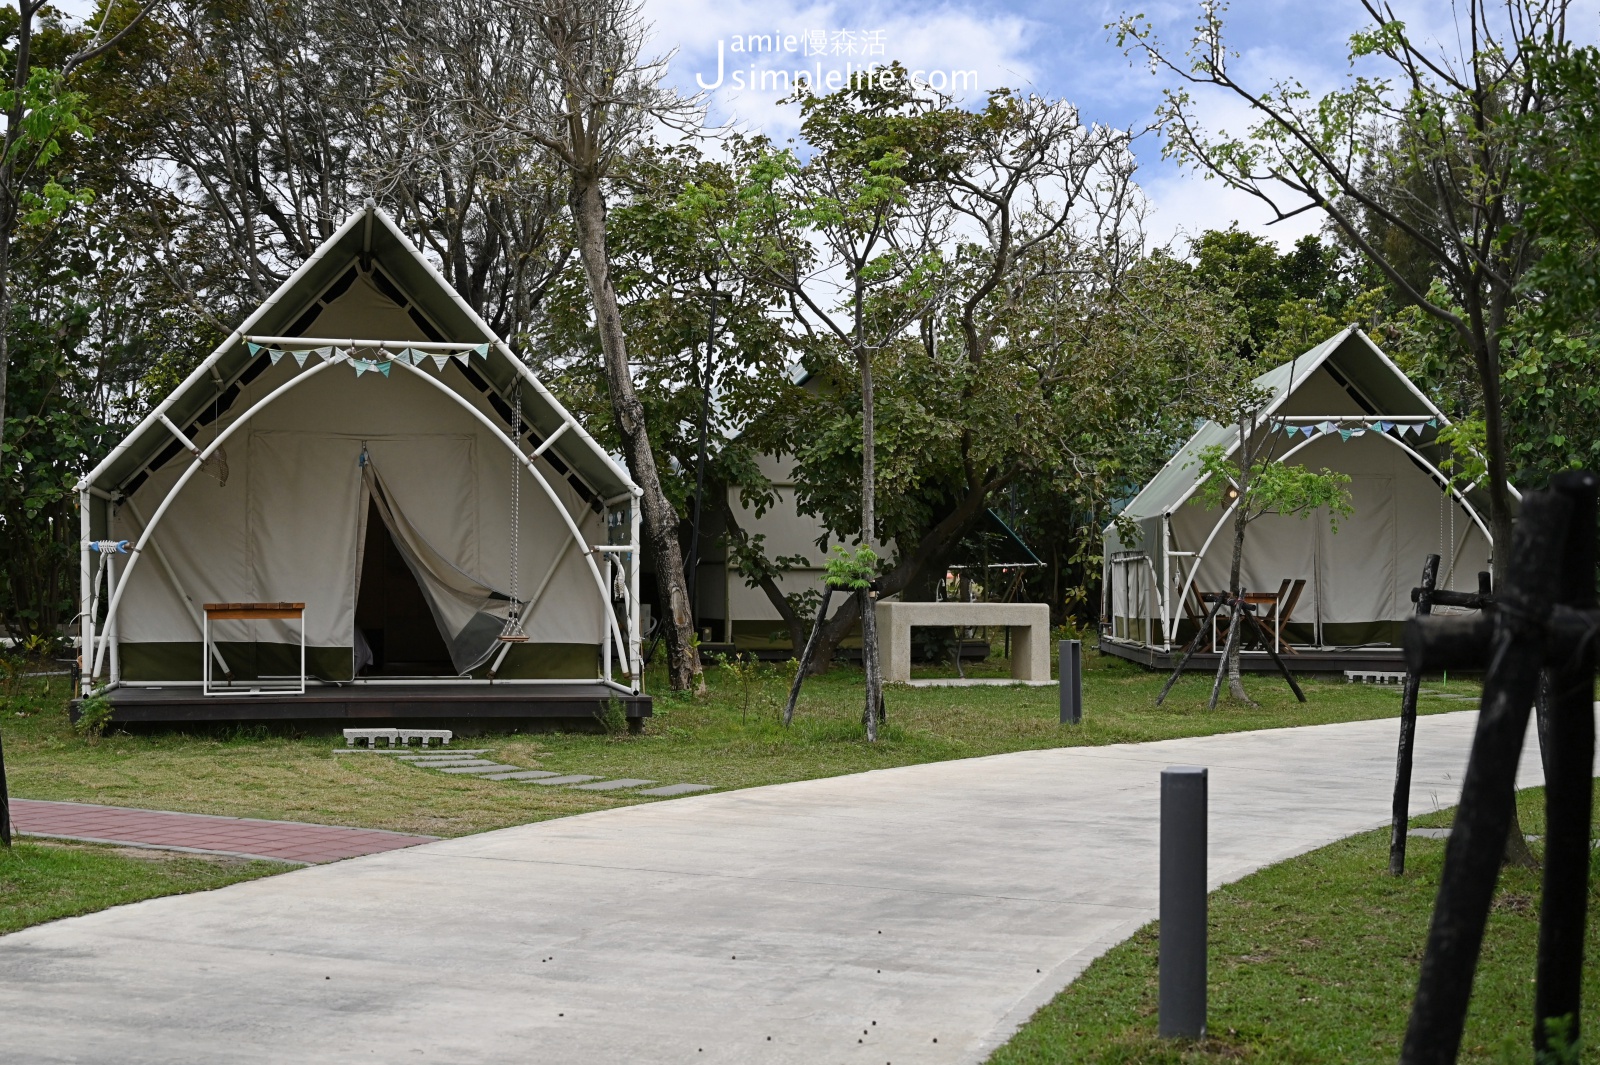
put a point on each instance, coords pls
(575, 778)
(677, 789)
(526, 774)
(489, 767)
(613, 785)
(460, 760)
(452, 753)
(1429, 833)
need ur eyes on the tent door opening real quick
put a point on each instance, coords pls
(391, 612)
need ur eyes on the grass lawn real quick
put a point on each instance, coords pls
(730, 739)
(1315, 960)
(42, 880)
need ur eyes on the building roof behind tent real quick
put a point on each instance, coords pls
(1365, 369)
(368, 235)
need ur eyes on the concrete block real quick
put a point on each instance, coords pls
(526, 774)
(1029, 624)
(614, 785)
(572, 778)
(487, 767)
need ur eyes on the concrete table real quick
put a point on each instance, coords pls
(1029, 624)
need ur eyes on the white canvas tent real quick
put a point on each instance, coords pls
(363, 390)
(1343, 405)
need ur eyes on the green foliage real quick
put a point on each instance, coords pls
(1270, 487)
(852, 570)
(94, 717)
(1564, 199)
(612, 717)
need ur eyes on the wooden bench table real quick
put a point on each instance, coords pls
(253, 612)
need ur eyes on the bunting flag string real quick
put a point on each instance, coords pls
(383, 360)
(1351, 429)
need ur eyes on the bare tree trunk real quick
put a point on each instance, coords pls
(869, 621)
(660, 521)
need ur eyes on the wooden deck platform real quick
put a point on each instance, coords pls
(1306, 660)
(420, 705)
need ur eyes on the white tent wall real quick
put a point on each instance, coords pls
(1359, 578)
(285, 527)
(753, 621)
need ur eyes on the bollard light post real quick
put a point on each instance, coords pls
(1182, 996)
(1071, 653)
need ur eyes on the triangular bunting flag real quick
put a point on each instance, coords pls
(1384, 427)
(439, 361)
(361, 365)
(1433, 423)
(1327, 427)
(275, 354)
(254, 347)
(1344, 434)
(460, 357)
(384, 368)
(300, 357)
(324, 353)
(482, 351)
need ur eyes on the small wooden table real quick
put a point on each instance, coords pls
(253, 612)
(1259, 600)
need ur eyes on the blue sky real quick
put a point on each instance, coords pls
(1059, 50)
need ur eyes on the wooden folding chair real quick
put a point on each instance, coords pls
(1282, 611)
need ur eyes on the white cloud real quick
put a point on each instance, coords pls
(987, 50)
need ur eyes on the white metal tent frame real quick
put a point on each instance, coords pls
(1168, 606)
(102, 647)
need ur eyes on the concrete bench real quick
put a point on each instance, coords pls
(1029, 624)
(400, 736)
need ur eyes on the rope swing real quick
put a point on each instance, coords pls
(512, 631)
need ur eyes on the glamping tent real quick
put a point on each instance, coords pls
(1340, 596)
(361, 491)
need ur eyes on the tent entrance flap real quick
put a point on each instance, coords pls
(392, 615)
(468, 613)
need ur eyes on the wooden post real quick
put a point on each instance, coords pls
(1189, 649)
(5, 802)
(1235, 624)
(1408, 730)
(1488, 795)
(1568, 789)
(805, 656)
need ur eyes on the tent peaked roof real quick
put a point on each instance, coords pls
(420, 305)
(1371, 378)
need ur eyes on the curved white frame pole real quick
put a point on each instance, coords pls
(1199, 556)
(136, 551)
(572, 526)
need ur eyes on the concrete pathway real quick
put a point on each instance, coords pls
(913, 915)
(242, 837)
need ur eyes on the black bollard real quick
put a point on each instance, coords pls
(1182, 997)
(1071, 681)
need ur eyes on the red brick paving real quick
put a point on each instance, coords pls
(284, 840)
